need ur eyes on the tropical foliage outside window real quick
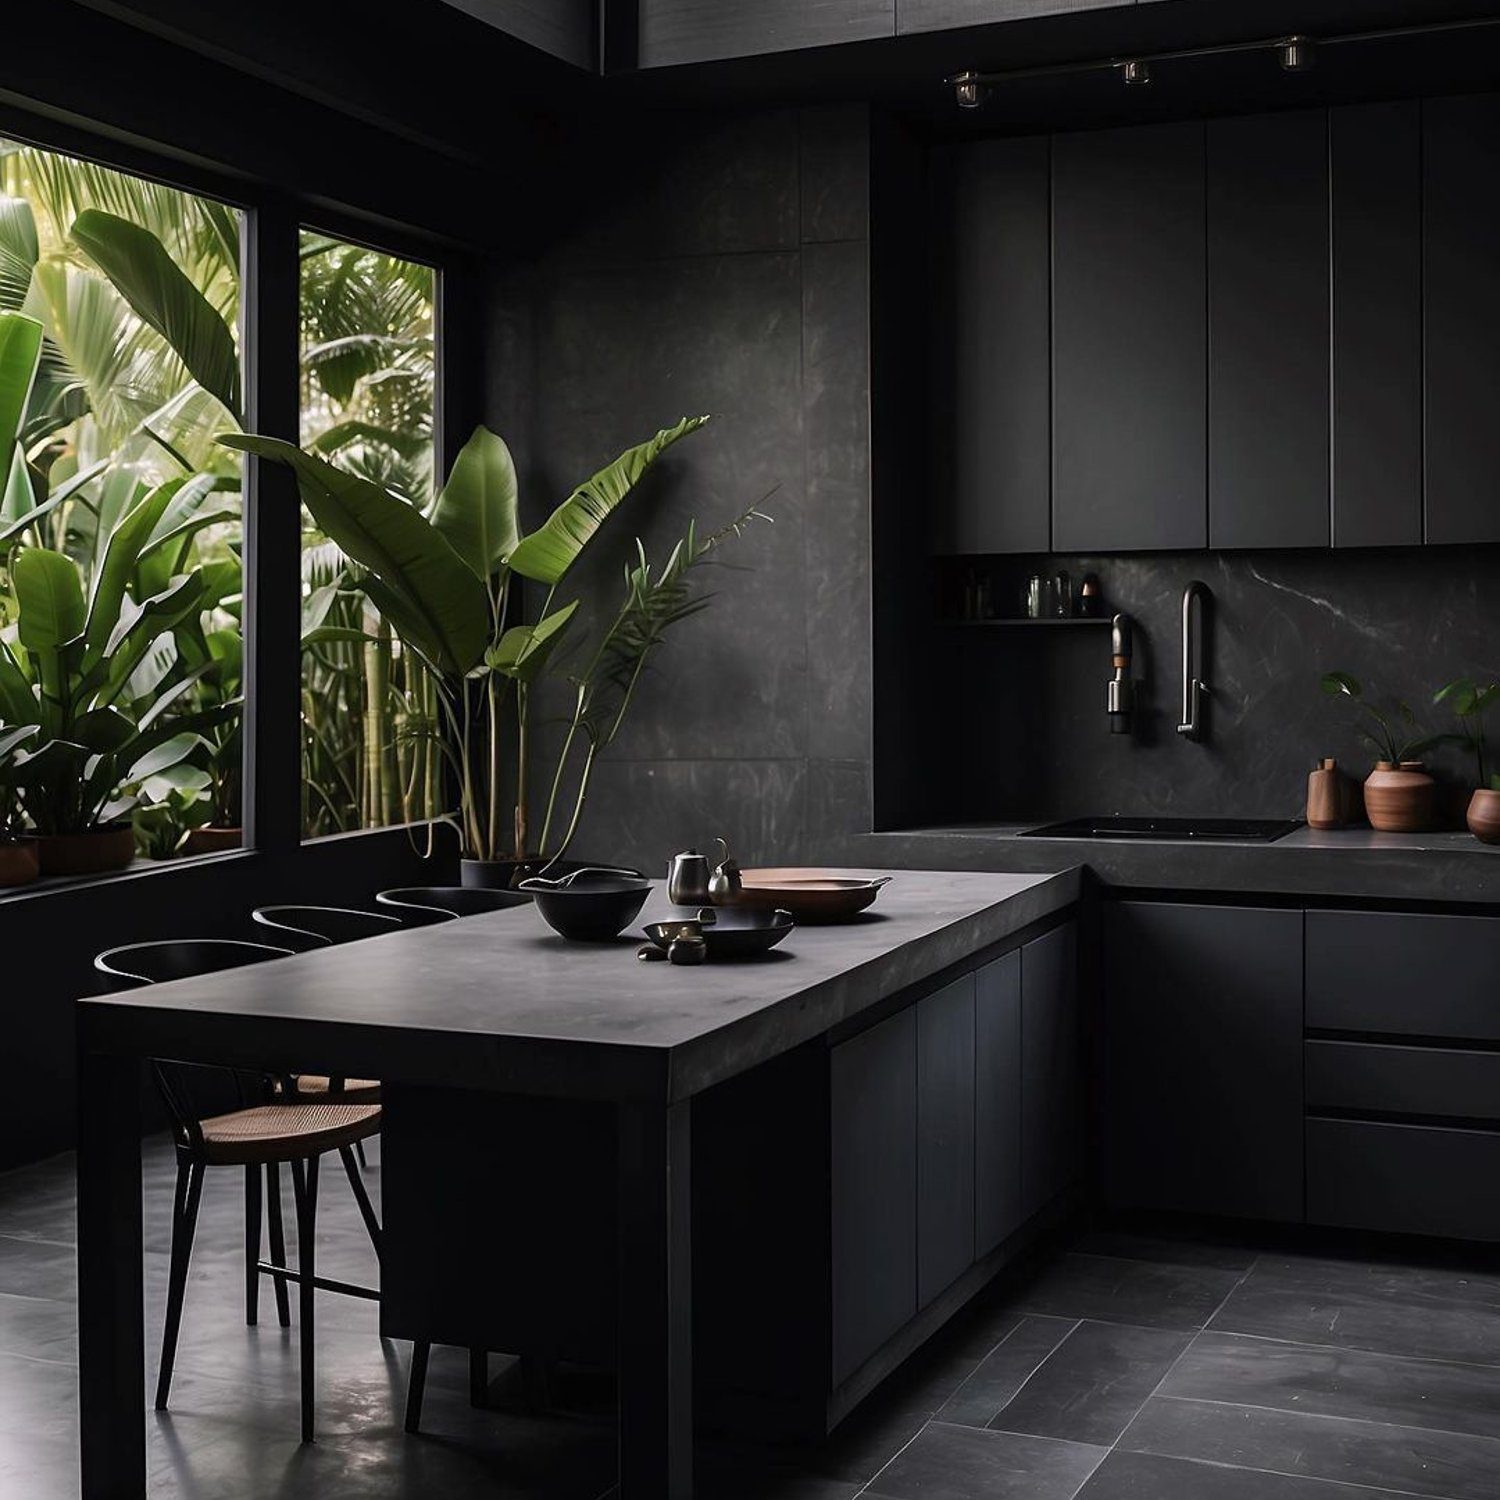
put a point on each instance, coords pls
(120, 578)
(370, 713)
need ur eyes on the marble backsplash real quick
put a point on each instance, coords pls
(1023, 710)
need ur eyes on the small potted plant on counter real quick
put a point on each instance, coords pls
(17, 852)
(1470, 700)
(1399, 793)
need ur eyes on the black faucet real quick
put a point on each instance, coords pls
(1194, 599)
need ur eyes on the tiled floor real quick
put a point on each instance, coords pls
(1122, 1368)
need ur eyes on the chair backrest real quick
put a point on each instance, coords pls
(305, 927)
(451, 900)
(136, 964)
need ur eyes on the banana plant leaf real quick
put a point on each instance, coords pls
(121, 554)
(522, 651)
(476, 509)
(427, 591)
(548, 553)
(20, 353)
(18, 251)
(160, 293)
(49, 598)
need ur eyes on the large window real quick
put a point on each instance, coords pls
(120, 577)
(371, 751)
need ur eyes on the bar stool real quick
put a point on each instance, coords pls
(445, 903)
(265, 1134)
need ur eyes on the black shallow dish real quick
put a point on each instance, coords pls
(732, 933)
(590, 906)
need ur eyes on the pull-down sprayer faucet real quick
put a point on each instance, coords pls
(1194, 599)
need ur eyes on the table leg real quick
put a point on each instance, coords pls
(111, 1331)
(656, 1288)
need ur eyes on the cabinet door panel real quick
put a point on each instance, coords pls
(997, 348)
(997, 1102)
(940, 15)
(945, 1137)
(1461, 248)
(1375, 178)
(1268, 330)
(689, 31)
(1129, 340)
(873, 1106)
(1203, 1059)
(1050, 1062)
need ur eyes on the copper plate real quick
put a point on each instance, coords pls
(810, 895)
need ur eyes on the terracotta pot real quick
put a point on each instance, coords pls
(213, 840)
(1399, 798)
(18, 863)
(90, 853)
(1484, 815)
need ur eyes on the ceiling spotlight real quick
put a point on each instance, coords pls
(1136, 70)
(968, 90)
(1296, 53)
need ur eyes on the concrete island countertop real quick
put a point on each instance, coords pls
(1353, 864)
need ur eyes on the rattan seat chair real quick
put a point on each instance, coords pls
(446, 903)
(262, 1134)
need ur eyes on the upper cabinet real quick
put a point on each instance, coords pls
(694, 31)
(993, 360)
(1375, 181)
(1461, 289)
(939, 15)
(1129, 331)
(1268, 331)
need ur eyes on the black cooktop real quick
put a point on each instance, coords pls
(1224, 830)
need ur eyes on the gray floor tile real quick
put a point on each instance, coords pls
(1435, 1313)
(964, 1463)
(1093, 1383)
(1113, 1290)
(37, 1268)
(1444, 1465)
(1005, 1370)
(1169, 1251)
(1339, 1383)
(1148, 1476)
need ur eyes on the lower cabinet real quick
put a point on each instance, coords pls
(945, 1137)
(1203, 1108)
(997, 1094)
(1051, 1103)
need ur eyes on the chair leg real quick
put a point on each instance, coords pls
(359, 1151)
(252, 1246)
(184, 1223)
(278, 1240)
(361, 1197)
(479, 1378)
(305, 1181)
(416, 1386)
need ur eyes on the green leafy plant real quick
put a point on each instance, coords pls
(1385, 733)
(447, 584)
(12, 739)
(1470, 701)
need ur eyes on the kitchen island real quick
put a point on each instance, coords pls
(498, 1005)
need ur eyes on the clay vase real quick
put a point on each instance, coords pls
(1399, 798)
(91, 853)
(1484, 815)
(212, 840)
(18, 865)
(1325, 796)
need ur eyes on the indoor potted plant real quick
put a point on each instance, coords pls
(449, 584)
(1399, 793)
(18, 864)
(1470, 700)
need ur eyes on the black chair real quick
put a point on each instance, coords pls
(307, 927)
(445, 903)
(262, 1134)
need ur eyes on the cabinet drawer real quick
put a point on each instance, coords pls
(1378, 1078)
(1403, 1179)
(1409, 975)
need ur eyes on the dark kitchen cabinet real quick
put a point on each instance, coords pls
(1268, 367)
(1461, 294)
(997, 1102)
(1375, 183)
(1129, 334)
(873, 1170)
(945, 1137)
(692, 31)
(1051, 1101)
(995, 347)
(1203, 1108)
(939, 15)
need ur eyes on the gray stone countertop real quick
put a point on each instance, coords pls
(1354, 864)
(461, 1000)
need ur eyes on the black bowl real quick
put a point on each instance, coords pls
(731, 932)
(589, 906)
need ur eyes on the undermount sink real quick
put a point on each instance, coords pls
(1223, 830)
